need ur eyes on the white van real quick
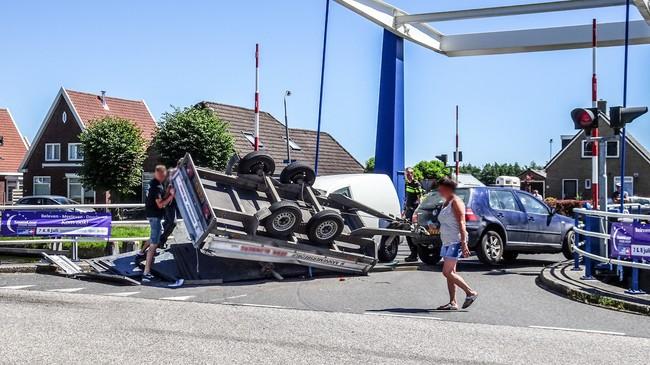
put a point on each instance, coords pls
(508, 182)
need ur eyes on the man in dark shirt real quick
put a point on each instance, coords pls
(155, 204)
(618, 194)
(413, 193)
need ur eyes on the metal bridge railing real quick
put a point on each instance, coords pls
(595, 229)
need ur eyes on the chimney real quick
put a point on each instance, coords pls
(103, 99)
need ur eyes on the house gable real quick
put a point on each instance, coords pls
(14, 145)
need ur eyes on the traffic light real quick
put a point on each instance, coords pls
(442, 158)
(585, 118)
(619, 116)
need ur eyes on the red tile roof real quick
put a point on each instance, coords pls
(89, 107)
(14, 145)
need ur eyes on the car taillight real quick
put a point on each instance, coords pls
(470, 216)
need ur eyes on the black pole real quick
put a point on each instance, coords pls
(286, 126)
(322, 79)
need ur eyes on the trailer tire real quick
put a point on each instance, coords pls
(324, 227)
(298, 173)
(284, 219)
(388, 249)
(257, 163)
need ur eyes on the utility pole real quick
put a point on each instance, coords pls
(457, 157)
(257, 97)
(286, 126)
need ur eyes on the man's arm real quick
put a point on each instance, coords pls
(161, 203)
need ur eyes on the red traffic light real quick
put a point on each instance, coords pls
(585, 118)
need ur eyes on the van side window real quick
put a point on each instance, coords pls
(343, 191)
(502, 200)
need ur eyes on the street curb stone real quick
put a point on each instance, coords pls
(30, 268)
(552, 278)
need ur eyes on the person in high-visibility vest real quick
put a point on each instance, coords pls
(413, 193)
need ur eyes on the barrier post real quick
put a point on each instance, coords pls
(75, 249)
(589, 226)
(576, 257)
(635, 282)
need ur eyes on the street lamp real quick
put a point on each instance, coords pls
(286, 126)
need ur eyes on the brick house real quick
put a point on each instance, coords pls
(13, 147)
(52, 163)
(333, 158)
(568, 173)
(533, 179)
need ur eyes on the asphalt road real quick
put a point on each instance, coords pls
(508, 296)
(54, 327)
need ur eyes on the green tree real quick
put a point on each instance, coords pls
(433, 169)
(114, 152)
(471, 169)
(370, 165)
(196, 130)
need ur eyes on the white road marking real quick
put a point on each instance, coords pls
(123, 294)
(579, 330)
(400, 315)
(236, 296)
(16, 287)
(257, 305)
(182, 298)
(66, 290)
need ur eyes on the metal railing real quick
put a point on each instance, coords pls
(54, 242)
(596, 229)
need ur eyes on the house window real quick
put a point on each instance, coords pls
(628, 184)
(569, 188)
(612, 149)
(587, 183)
(251, 138)
(42, 185)
(74, 152)
(52, 151)
(64, 117)
(294, 146)
(77, 192)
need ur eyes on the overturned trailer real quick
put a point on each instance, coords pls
(281, 223)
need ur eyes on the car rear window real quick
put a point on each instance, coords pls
(434, 199)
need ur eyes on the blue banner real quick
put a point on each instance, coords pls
(631, 240)
(56, 224)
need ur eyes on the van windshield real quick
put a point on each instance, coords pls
(433, 199)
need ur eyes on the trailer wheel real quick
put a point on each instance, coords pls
(298, 173)
(388, 249)
(324, 227)
(284, 219)
(258, 163)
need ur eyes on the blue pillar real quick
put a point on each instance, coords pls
(389, 149)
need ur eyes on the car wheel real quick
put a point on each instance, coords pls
(324, 227)
(567, 245)
(429, 253)
(284, 219)
(491, 248)
(388, 249)
(510, 256)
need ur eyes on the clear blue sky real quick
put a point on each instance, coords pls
(179, 53)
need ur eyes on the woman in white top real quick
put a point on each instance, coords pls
(454, 243)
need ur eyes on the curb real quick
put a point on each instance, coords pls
(548, 278)
(26, 268)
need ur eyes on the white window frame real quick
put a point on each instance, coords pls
(628, 179)
(582, 149)
(250, 137)
(69, 177)
(577, 187)
(49, 183)
(587, 183)
(53, 145)
(618, 149)
(74, 158)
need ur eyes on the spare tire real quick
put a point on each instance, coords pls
(324, 227)
(257, 163)
(298, 173)
(284, 219)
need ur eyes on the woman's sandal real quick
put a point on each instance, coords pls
(447, 307)
(470, 300)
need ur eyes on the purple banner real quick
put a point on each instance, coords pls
(57, 224)
(630, 240)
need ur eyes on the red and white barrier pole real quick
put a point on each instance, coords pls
(594, 132)
(257, 97)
